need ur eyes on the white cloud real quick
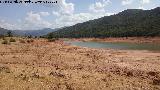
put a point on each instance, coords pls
(6, 25)
(66, 8)
(99, 6)
(63, 8)
(74, 18)
(44, 13)
(145, 1)
(33, 17)
(56, 13)
(65, 16)
(127, 2)
(68, 20)
(141, 8)
(34, 20)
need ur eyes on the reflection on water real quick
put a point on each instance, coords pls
(118, 45)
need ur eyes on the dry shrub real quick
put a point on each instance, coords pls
(22, 41)
(156, 81)
(52, 40)
(4, 69)
(30, 41)
(151, 73)
(2, 36)
(12, 40)
(23, 77)
(5, 42)
(68, 86)
(129, 74)
(57, 74)
(35, 75)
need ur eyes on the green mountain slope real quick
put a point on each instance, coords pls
(128, 23)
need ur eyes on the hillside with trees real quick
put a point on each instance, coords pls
(128, 23)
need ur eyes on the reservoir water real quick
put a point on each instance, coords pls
(117, 45)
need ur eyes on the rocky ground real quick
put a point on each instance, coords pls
(42, 65)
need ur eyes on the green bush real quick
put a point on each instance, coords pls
(12, 40)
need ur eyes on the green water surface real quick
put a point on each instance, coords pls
(117, 45)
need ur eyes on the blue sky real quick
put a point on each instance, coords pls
(65, 12)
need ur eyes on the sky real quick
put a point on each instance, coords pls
(64, 12)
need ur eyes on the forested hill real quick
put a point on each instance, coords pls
(128, 23)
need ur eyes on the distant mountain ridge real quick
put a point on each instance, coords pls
(3, 31)
(128, 23)
(33, 32)
(28, 32)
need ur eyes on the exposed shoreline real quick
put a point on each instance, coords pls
(124, 39)
(55, 65)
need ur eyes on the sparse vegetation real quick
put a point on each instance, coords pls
(2, 36)
(4, 69)
(57, 74)
(156, 81)
(5, 42)
(9, 34)
(52, 39)
(30, 36)
(22, 41)
(30, 41)
(12, 40)
(42, 65)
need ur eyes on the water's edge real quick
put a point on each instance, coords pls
(117, 45)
